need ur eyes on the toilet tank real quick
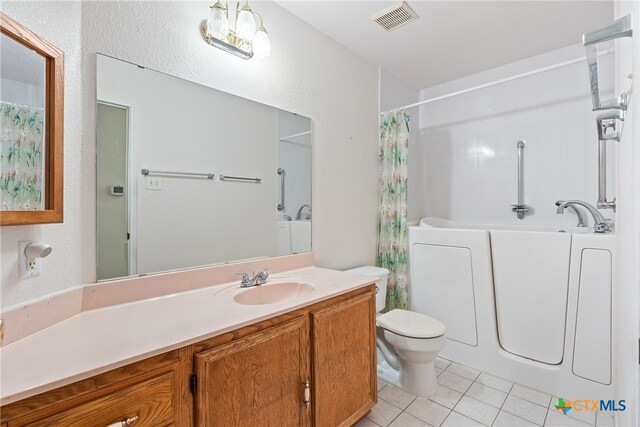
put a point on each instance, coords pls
(381, 283)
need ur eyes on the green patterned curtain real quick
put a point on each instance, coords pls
(393, 241)
(21, 157)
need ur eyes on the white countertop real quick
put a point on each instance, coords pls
(100, 340)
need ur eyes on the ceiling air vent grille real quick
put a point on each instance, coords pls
(396, 16)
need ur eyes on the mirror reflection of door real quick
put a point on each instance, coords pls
(112, 218)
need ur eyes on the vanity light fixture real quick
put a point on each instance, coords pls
(248, 40)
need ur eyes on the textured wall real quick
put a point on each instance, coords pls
(307, 73)
(72, 261)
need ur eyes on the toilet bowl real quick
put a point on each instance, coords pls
(408, 342)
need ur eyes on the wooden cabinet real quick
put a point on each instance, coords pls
(148, 403)
(145, 393)
(344, 364)
(255, 380)
(312, 366)
(259, 379)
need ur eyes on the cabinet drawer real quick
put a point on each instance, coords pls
(151, 401)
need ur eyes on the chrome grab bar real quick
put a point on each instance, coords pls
(147, 172)
(240, 178)
(520, 208)
(607, 131)
(282, 173)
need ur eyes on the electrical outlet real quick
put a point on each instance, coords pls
(153, 183)
(29, 267)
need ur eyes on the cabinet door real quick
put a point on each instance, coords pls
(149, 403)
(344, 361)
(257, 380)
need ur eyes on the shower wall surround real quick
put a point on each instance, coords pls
(467, 144)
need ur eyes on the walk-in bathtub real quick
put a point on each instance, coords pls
(531, 304)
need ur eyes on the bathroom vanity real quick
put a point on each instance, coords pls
(312, 364)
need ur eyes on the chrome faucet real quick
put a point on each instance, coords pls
(582, 220)
(601, 224)
(259, 278)
(299, 214)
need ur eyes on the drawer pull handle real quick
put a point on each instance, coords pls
(307, 394)
(126, 422)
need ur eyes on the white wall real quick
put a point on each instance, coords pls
(307, 73)
(626, 296)
(72, 261)
(176, 125)
(468, 154)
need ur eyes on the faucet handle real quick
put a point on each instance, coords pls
(245, 281)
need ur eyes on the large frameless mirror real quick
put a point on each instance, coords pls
(190, 176)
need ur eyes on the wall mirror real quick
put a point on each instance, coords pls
(190, 176)
(31, 126)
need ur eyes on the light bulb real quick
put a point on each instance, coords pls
(218, 22)
(246, 24)
(261, 44)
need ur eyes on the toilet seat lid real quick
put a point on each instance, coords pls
(411, 324)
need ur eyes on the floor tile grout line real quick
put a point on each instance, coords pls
(493, 388)
(465, 393)
(391, 422)
(472, 398)
(503, 402)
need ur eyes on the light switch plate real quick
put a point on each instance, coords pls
(153, 183)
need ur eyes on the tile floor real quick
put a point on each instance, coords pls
(469, 397)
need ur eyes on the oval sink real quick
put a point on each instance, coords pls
(271, 293)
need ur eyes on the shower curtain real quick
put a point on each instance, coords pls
(21, 157)
(393, 242)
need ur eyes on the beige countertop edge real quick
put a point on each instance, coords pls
(12, 389)
(27, 318)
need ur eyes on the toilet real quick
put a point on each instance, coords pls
(408, 342)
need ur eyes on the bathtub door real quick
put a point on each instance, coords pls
(442, 287)
(531, 281)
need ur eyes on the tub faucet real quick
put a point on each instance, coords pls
(601, 225)
(582, 220)
(299, 214)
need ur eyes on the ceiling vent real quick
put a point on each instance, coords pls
(395, 16)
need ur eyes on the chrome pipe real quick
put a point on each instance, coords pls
(520, 172)
(240, 178)
(282, 173)
(602, 172)
(607, 131)
(520, 208)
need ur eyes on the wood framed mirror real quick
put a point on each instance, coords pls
(31, 127)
